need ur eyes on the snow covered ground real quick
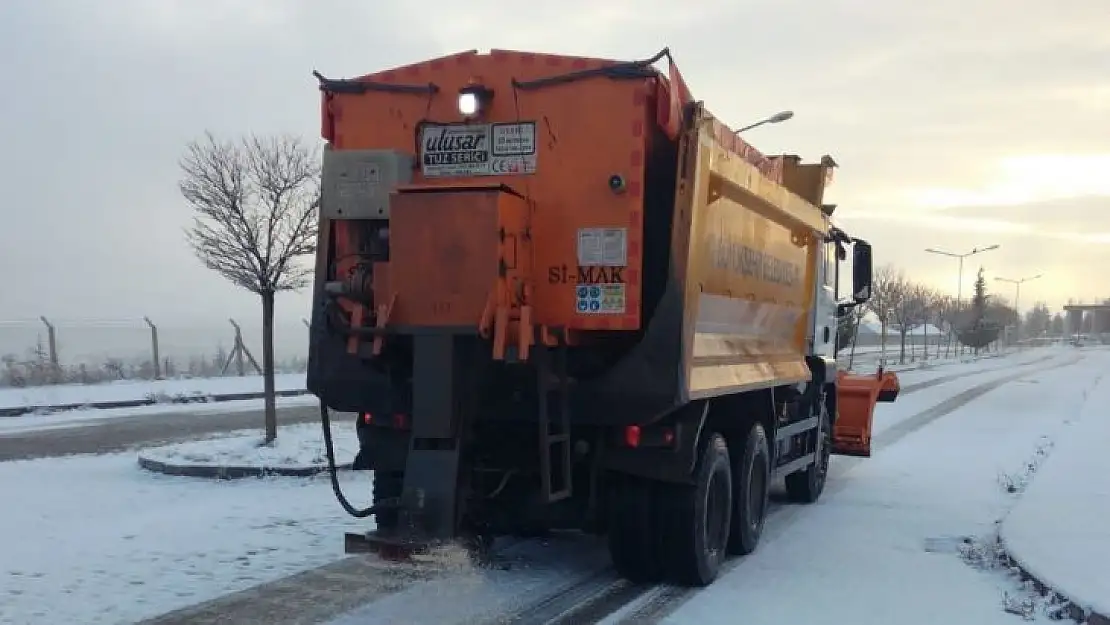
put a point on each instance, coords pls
(881, 546)
(1059, 530)
(68, 394)
(93, 417)
(297, 446)
(101, 541)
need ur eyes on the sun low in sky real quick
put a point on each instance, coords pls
(956, 124)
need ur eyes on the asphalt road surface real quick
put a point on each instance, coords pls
(123, 433)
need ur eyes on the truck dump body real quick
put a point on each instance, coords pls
(749, 280)
(557, 211)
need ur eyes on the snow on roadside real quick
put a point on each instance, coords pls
(978, 373)
(133, 390)
(1057, 532)
(889, 531)
(92, 417)
(97, 540)
(909, 374)
(296, 446)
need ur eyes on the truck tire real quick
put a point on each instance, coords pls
(751, 471)
(698, 518)
(633, 533)
(387, 485)
(806, 486)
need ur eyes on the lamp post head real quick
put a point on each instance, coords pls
(781, 116)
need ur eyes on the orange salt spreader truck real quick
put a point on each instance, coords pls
(559, 294)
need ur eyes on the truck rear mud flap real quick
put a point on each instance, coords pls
(856, 396)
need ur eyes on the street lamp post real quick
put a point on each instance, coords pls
(777, 118)
(960, 280)
(1017, 295)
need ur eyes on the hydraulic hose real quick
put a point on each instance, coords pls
(325, 420)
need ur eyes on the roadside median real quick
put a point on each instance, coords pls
(298, 451)
(1057, 533)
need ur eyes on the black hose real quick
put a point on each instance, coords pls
(325, 420)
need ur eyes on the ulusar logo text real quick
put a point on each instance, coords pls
(447, 146)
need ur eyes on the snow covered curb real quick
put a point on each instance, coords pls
(151, 399)
(133, 393)
(1055, 534)
(297, 452)
(1067, 606)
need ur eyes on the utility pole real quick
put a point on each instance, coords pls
(154, 348)
(1017, 297)
(52, 345)
(960, 279)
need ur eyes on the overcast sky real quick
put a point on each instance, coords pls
(957, 123)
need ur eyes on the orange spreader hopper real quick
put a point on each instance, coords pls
(856, 396)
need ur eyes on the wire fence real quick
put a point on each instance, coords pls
(58, 351)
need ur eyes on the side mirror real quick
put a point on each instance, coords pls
(861, 271)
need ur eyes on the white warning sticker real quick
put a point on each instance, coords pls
(599, 299)
(602, 247)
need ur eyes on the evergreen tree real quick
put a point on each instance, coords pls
(979, 300)
(1057, 327)
(980, 331)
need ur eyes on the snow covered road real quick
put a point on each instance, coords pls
(862, 555)
(101, 542)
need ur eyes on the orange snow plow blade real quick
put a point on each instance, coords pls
(856, 397)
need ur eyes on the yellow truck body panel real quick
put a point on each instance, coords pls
(750, 250)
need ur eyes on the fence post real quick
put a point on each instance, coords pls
(238, 350)
(154, 348)
(52, 345)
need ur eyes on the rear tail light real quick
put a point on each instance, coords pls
(632, 436)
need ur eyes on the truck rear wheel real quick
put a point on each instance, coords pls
(806, 486)
(751, 471)
(698, 518)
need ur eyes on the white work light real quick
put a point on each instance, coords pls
(474, 99)
(468, 103)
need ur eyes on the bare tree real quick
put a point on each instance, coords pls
(940, 310)
(255, 202)
(885, 293)
(909, 311)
